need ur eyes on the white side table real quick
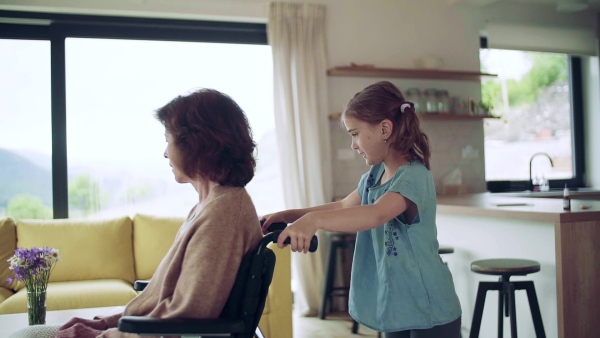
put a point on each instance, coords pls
(16, 321)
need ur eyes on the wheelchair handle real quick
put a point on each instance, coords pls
(277, 228)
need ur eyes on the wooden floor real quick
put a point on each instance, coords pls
(335, 325)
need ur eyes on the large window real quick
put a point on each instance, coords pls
(108, 78)
(535, 134)
(25, 132)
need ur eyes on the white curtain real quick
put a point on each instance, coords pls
(296, 33)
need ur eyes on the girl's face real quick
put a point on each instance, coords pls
(367, 139)
(175, 161)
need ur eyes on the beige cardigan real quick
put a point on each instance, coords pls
(197, 273)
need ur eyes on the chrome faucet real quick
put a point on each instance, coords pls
(531, 161)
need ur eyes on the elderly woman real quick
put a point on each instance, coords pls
(210, 146)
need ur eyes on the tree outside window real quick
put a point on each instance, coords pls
(532, 98)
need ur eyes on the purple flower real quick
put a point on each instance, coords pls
(33, 266)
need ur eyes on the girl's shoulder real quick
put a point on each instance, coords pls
(415, 172)
(413, 167)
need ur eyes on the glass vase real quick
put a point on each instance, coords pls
(36, 307)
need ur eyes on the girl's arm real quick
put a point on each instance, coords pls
(351, 219)
(292, 215)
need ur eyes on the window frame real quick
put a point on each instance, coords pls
(577, 136)
(57, 27)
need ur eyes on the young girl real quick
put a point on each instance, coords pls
(399, 283)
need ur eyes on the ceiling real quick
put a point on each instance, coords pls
(594, 4)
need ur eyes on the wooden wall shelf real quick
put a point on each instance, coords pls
(436, 117)
(408, 73)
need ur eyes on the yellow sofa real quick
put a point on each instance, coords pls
(100, 260)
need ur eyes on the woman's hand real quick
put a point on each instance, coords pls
(81, 327)
(97, 323)
(300, 234)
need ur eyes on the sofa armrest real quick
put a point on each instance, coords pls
(5, 294)
(140, 285)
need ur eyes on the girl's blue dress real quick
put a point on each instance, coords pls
(399, 282)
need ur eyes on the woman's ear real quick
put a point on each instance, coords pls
(386, 128)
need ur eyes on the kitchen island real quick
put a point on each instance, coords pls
(528, 226)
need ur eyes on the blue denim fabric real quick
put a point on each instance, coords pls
(399, 282)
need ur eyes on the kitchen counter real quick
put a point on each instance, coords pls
(520, 206)
(533, 225)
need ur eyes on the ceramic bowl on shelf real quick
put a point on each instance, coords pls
(429, 62)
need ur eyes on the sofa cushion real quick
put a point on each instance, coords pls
(75, 295)
(89, 249)
(8, 244)
(152, 238)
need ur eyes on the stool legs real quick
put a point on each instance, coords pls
(506, 306)
(482, 290)
(329, 290)
(538, 325)
(326, 298)
(501, 301)
(354, 326)
(513, 310)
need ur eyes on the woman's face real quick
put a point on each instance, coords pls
(367, 139)
(175, 161)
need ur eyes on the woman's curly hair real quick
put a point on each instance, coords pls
(213, 136)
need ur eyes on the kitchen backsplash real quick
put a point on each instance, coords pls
(457, 153)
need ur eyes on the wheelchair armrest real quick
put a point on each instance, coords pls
(179, 326)
(140, 285)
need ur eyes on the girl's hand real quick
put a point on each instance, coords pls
(300, 234)
(270, 219)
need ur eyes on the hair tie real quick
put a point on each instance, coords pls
(406, 104)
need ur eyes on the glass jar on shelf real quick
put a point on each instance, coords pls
(443, 101)
(414, 95)
(430, 99)
(457, 106)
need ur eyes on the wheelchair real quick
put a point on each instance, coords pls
(243, 309)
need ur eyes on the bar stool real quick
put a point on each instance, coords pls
(337, 241)
(445, 250)
(505, 268)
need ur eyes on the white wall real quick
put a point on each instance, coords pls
(225, 10)
(591, 83)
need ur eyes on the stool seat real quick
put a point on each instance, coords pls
(505, 266)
